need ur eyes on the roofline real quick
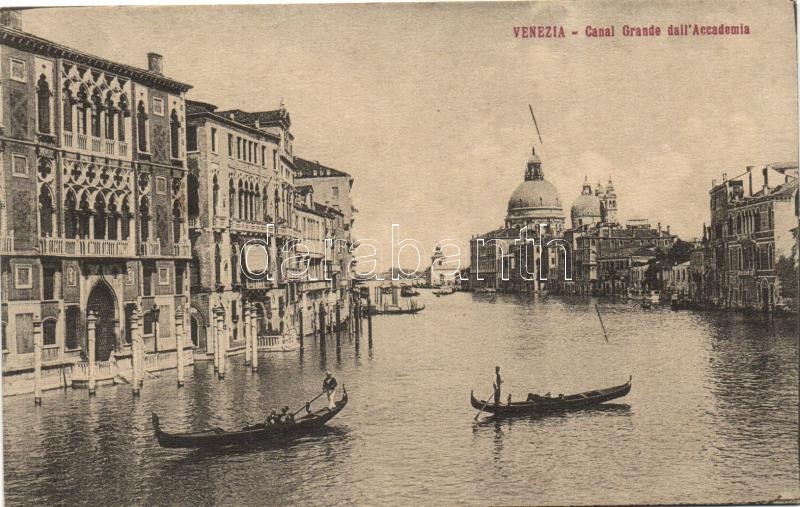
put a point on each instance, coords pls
(227, 121)
(30, 42)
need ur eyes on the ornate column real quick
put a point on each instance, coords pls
(179, 359)
(136, 352)
(254, 338)
(37, 360)
(247, 332)
(91, 322)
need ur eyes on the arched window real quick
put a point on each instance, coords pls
(49, 332)
(70, 216)
(141, 127)
(43, 104)
(277, 204)
(123, 113)
(99, 217)
(126, 219)
(175, 134)
(193, 197)
(46, 211)
(110, 113)
(97, 106)
(84, 214)
(176, 221)
(144, 219)
(215, 195)
(232, 200)
(241, 201)
(217, 265)
(112, 218)
(83, 102)
(265, 206)
(67, 109)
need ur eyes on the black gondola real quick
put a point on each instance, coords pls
(249, 435)
(541, 404)
(408, 292)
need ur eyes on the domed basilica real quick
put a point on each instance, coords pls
(535, 201)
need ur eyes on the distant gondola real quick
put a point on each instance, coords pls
(540, 404)
(249, 435)
(397, 310)
(408, 292)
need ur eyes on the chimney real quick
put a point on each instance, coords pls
(155, 63)
(668, 230)
(258, 124)
(658, 226)
(724, 177)
(750, 177)
(765, 172)
(231, 116)
(713, 183)
(11, 18)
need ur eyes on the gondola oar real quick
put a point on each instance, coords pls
(484, 406)
(309, 403)
(601, 322)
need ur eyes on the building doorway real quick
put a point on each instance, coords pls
(198, 331)
(101, 302)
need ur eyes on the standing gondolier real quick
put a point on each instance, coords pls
(498, 381)
(329, 386)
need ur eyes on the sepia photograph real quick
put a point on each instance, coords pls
(533, 253)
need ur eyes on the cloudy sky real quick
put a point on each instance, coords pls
(426, 105)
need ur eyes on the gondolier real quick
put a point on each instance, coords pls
(498, 381)
(329, 386)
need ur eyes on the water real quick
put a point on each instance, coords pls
(712, 416)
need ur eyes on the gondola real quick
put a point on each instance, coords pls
(397, 310)
(256, 434)
(540, 404)
(408, 292)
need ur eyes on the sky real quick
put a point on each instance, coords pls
(426, 105)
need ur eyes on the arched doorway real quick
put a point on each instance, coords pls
(101, 302)
(198, 330)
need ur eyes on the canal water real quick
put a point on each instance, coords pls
(712, 416)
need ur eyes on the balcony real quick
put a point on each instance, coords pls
(182, 249)
(151, 248)
(94, 145)
(287, 232)
(85, 247)
(256, 284)
(248, 226)
(7, 242)
(220, 223)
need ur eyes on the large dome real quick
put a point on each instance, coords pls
(586, 206)
(534, 194)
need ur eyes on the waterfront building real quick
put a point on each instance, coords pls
(753, 228)
(441, 272)
(534, 208)
(616, 269)
(239, 179)
(332, 197)
(677, 281)
(93, 230)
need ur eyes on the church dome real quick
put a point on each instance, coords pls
(586, 205)
(534, 194)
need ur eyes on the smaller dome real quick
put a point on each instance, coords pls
(586, 205)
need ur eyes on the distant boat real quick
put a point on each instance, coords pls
(408, 292)
(653, 296)
(249, 435)
(443, 291)
(541, 404)
(398, 310)
(486, 290)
